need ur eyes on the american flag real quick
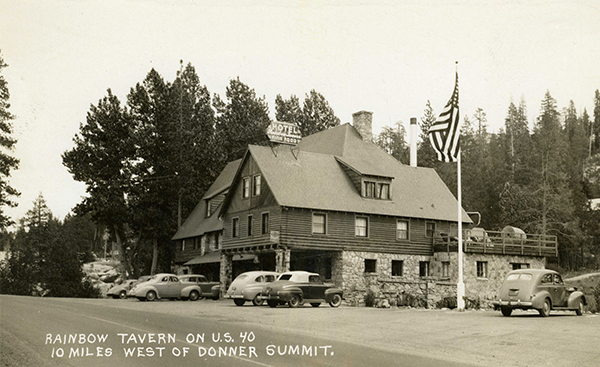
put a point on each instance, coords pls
(444, 134)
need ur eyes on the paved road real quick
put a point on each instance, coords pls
(74, 332)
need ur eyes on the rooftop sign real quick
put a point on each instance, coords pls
(284, 133)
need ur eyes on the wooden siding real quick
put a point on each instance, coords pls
(257, 237)
(340, 233)
(239, 204)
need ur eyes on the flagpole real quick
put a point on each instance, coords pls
(460, 286)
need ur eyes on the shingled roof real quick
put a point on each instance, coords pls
(313, 178)
(197, 224)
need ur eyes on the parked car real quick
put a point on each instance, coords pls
(539, 289)
(120, 290)
(159, 286)
(298, 287)
(248, 286)
(197, 287)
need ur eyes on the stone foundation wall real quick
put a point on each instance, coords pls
(382, 289)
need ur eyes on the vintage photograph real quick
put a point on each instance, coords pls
(299, 183)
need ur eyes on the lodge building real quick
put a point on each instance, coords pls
(339, 205)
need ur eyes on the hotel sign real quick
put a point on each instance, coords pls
(284, 133)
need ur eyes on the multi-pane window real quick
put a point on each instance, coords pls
(482, 269)
(246, 187)
(361, 227)
(369, 189)
(424, 268)
(429, 229)
(377, 190)
(235, 227)
(256, 185)
(370, 265)
(319, 223)
(397, 268)
(265, 223)
(250, 224)
(445, 269)
(383, 191)
(402, 229)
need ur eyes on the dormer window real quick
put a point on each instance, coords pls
(376, 190)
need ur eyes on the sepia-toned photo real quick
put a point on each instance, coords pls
(299, 183)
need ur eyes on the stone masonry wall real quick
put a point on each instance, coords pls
(382, 289)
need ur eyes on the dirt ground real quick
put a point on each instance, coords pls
(474, 337)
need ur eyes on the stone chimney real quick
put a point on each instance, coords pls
(363, 122)
(413, 141)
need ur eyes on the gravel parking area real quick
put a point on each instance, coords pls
(477, 337)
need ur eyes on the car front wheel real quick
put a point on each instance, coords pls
(272, 303)
(257, 301)
(194, 296)
(545, 310)
(506, 311)
(294, 301)
(336, 301)
(579, 310)
(238, 301)
(150, 296)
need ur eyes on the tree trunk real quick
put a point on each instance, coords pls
(154, 256)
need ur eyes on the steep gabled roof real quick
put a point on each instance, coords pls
(316, 181)
(197, 224)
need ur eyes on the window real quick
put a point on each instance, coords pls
(250, 223)
(445, 269)
(517, 266)
(397, 268)
(547, 279)
(424, 268)
(256, 186)
(318, 223)
(558, 279)
(429, 229)
(369, 189)
(235, 227)
(401, 230)
(482, 269)
(383, 191)
(246, 187)
(182, 245)
(370, 265)
(361, 227)
(265, 223)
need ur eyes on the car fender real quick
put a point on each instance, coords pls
(185, 292)
(575, 298)
(287, 292)
(330, 292)
(216, 290)
(539, 299)
(144, 290)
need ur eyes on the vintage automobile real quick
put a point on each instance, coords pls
(159, 286)
(538, 289)
(298, 287)
(197, 287)
(120, 290)
(248, 286)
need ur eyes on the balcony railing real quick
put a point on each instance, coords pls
(490, 242)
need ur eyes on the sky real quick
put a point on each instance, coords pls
(387, 57)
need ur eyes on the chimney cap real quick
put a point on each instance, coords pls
(362, 112)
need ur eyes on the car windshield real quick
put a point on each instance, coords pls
(285, 277)
(240, 277)
(522, 276)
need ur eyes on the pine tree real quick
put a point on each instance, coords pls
(7, 142)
